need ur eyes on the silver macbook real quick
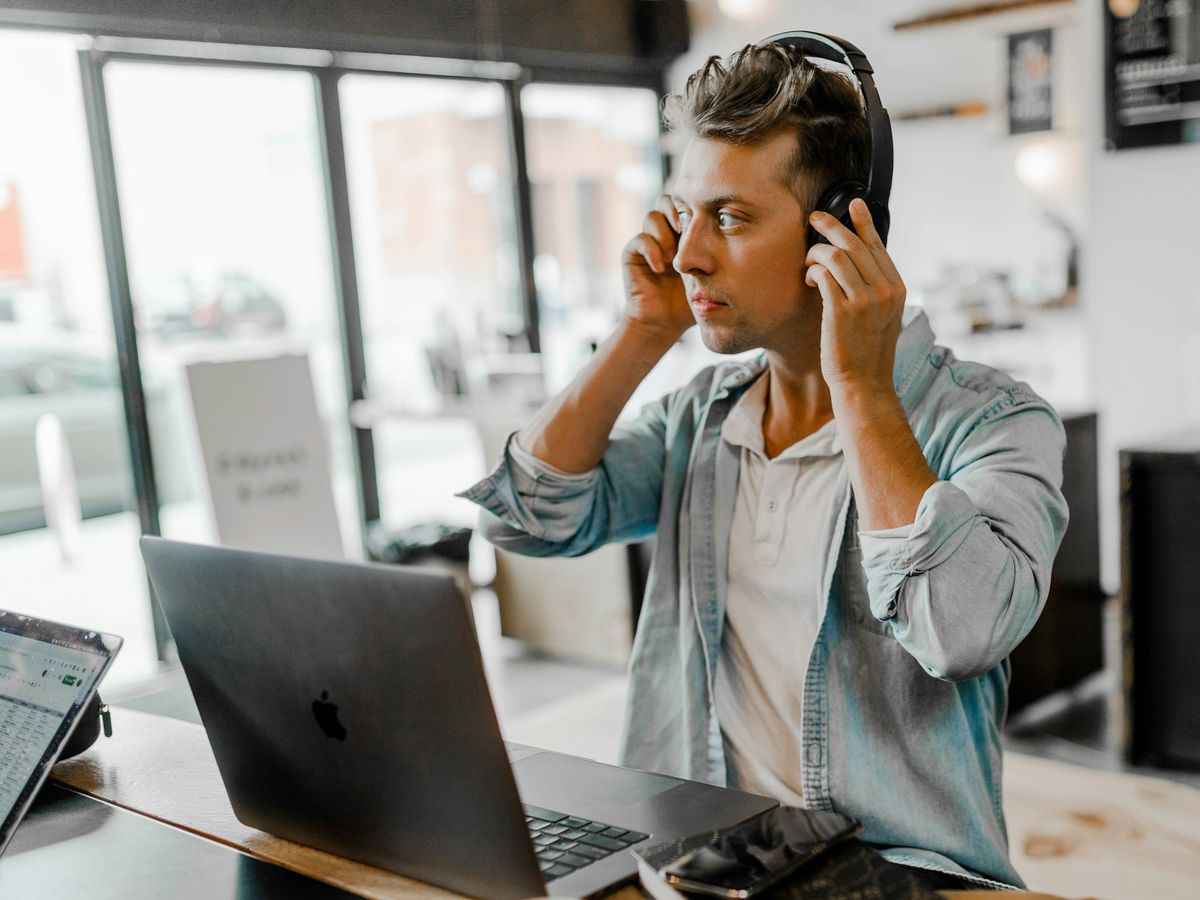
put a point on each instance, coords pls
(347, 709)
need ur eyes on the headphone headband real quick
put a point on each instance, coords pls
(839, 50)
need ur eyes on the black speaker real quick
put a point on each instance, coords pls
(1160, 602)
(1067, 643)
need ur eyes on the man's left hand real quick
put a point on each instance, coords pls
(863, 301)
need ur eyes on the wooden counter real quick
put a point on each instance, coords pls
(1076, 832)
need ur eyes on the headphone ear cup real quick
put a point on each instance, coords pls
(836, 201)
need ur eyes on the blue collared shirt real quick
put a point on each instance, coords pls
(906, 688)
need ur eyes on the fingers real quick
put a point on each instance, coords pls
(839, 263)
(666, 206)
(847, 242)
(659, 237)
(863, 252)
(860, 215)
(648, 248)
(658, 226)
(823, 280)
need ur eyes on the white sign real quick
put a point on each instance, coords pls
(265, 456)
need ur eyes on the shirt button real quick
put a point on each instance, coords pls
(771, 505)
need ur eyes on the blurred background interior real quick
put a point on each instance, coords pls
(426, 204)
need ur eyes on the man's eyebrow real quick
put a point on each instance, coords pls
(713, 202)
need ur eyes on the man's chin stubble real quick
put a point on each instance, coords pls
(727, 342)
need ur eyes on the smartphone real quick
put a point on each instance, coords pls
(760, 853)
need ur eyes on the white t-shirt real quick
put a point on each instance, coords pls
(783, 522)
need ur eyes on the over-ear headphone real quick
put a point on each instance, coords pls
(836, 198)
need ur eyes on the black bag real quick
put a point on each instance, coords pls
(93, 718)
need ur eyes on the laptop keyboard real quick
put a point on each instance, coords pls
(565, 843)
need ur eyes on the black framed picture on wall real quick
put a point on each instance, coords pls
(1030, 81)
(1151, 72)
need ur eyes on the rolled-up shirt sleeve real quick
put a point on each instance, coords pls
(877, 542)
(528, 506)
(970, 579)
(538, 468)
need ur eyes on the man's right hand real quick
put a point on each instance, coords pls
(571, 431)
(654, 292)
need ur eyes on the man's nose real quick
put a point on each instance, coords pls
(693, 256)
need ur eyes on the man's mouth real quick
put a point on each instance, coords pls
(705, 306)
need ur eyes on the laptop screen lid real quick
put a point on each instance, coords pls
(347, 709)
(48, 675)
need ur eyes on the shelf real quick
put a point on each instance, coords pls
(973, 11)
(941, 112)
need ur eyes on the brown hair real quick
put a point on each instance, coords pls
(764, 88)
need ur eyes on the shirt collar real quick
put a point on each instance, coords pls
(743, 427)
(912, 347)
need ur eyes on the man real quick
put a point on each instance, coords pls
(853, 531)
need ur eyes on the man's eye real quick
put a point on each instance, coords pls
(727, 220)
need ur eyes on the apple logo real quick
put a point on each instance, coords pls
(326, 714)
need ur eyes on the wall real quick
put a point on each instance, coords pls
(955, 196)
(1140, 275)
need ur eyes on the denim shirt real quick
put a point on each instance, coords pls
(906, 688)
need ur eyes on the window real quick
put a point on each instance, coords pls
(595, 169)
(226, 228)
(434, 235)
(58, 365)
(226, 235)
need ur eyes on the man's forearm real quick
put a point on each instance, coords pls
(887, 469)
(571, 431)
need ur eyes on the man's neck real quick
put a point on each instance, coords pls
(798, 401)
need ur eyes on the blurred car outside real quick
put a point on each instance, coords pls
(228, 304)
(75, 378)
(26, 305)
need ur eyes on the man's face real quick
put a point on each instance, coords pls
(741, 253)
